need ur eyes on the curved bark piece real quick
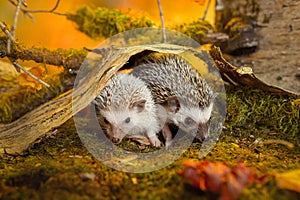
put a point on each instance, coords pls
(20, 134)
(244, 76)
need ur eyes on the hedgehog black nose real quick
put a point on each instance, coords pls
(115, 140)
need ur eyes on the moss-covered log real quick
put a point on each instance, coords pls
(69, 59)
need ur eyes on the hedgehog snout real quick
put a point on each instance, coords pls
(116, 140)
(117, 135)
(203, 131)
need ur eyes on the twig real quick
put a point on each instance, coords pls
(46, 11)
(24, 11)
(206, 10)
(11, 39)
(41, 11)
(164, 36)
(28, 12)
(13, 29)
(30, 74)
(14, 25)
(7, 33)
(24, 3)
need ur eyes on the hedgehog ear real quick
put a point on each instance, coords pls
(100, 103)
(173, 104)
(138, 105)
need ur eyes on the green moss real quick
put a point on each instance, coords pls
(60, 160)
(17, 100)
(246, 10)
(104, 22)
(263, 113)
(196, 29)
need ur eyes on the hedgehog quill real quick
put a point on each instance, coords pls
(127, 108)
(187, 97)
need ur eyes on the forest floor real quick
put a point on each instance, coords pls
(60, 167)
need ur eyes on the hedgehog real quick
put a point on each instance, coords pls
(187, 97)
(127, 108)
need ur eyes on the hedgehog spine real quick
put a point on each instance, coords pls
(128, 108)
(186, 96)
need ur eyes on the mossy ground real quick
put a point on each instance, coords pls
(52, 168)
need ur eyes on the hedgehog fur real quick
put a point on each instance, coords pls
(128, 108)
(170, 76)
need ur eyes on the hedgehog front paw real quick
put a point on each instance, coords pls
(168, 144)
(155, 141)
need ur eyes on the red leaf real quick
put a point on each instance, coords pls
(228, 182)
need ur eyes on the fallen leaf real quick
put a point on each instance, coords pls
(134, 180)
(44, 73)
(289, 180)
(26, 80)
(225, 181)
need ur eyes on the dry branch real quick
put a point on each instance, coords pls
(70, 59)
(44, 11)
(7, 33)
(162, 19)
(206, 10)
(14, 25)
(29, 12)
(10, 39)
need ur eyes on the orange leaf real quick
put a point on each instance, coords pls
(25, 80)
(53, 70)
(41, 72)
(231, 189)
(227, 182)
(215, 173)
(289, 180)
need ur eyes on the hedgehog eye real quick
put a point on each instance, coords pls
(188, 121)
(209, 120)
(105, 121)
(127, 120)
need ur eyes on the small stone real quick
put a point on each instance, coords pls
(87, 176)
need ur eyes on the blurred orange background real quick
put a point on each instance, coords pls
(53, 31)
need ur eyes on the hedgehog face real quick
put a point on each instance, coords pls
(123, 120)
(194, 120)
